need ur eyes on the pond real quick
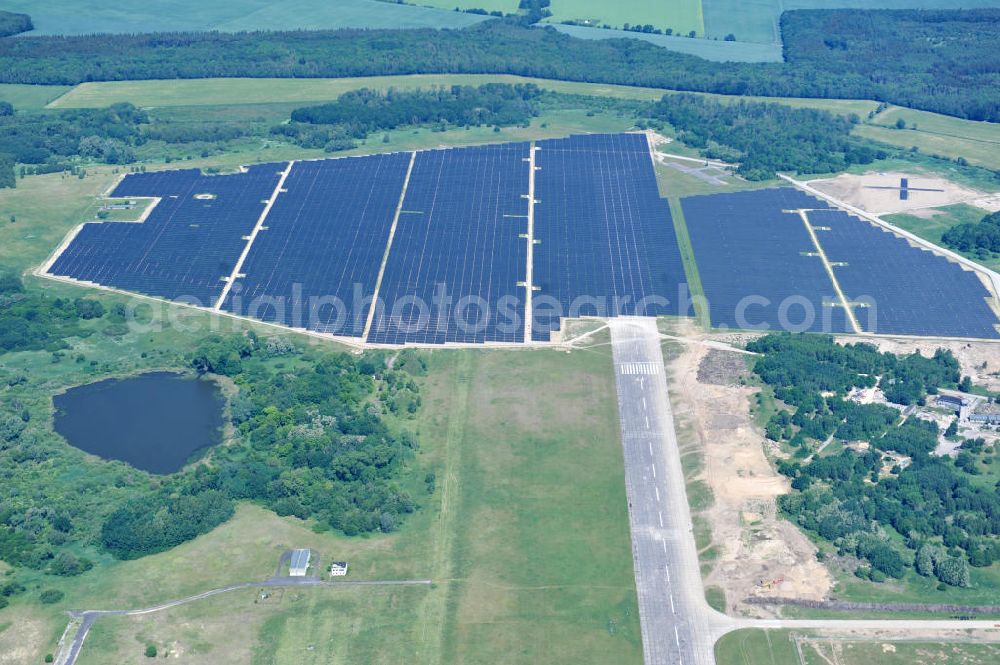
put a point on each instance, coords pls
(156, 421)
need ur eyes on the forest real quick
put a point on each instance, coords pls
(981, 238)
(766, 138)
(12, 23)
(956, 80)
(890, 504)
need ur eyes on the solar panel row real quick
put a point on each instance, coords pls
(457, 256)
(910, 291)
(606, 239)
(189, 242)
(760, 268)
(315, 263)
(758, 265)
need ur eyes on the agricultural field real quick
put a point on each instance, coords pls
(757, 20)
(783, 647)
(70, 17)
(682, 16)
(31, 97)
(228, 91)
(709, 49)
(934, 134)
(505, 6)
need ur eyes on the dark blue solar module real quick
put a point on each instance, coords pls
(317, 260)
(458, 237)
(186, 245)
(912, 291)
(754, 262)
(607, 242)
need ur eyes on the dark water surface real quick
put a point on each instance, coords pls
(154, 421)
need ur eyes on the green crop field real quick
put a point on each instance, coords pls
(680, 15)
(228, 91)
(79, 17)
(757, 20)
(709, 49)
(505, 6)
(935, 134)
(30, 97)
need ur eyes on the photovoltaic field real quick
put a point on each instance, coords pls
(759, 258)
(499, 243)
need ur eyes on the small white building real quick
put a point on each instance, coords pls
(338, 569)
(299, 565)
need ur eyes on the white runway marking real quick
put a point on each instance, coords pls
(654, 470)
(661, 518)
(672, 609)
(677, 636)
(657, 493)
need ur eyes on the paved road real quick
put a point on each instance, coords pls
(69, 654)
(678, 626)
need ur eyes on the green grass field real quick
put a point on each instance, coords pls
(783, 647)
(217, 92)
(80, 17)
(681, 15)
(934, 134)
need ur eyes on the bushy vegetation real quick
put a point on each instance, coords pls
(154, 524)
(33, 321)
(890, 502)
(49, 140)
(362, 112)
(981, 238)
(765, 138)
(912, 72)
(315, 443)
(12, 23)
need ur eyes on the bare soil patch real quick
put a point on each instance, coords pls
(879, 192)
(757, 553)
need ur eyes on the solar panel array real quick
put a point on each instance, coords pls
(315, 263)
(186, 245)
(912, 291)
(458, 237)
(607, 242)
(456, 268)
(755, 265)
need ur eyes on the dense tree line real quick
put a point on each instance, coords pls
(858, 498)
(766, 138)
(907, 75)
(982, 237)
(362, 112)
(946, 61)
(12, 23)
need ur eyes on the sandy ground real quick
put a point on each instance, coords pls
(753, 544)
(856, 190)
